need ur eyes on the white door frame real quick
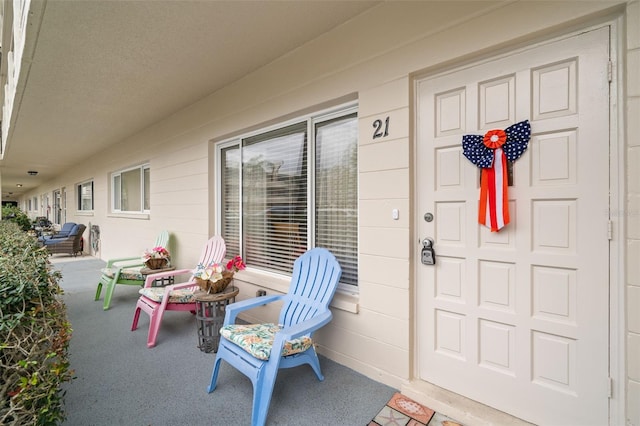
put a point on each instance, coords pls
(617, 161)
(617, 263)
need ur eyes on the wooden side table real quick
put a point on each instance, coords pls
(159, 282)
(210, 311)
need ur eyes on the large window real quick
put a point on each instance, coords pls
(85, 196)
(130, 190)
(285, 190)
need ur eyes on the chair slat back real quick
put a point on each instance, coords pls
(162, 240)
(213, 251)
(314, 282)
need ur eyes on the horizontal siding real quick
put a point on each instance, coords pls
(378, 354)
(378, 213)
(371, 59)
(385, 242)
(391, 299)
(390, 184)
(396, 126)
(389, 271)
(394, 152)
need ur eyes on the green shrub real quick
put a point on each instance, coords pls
(14, 214)
(34, 333)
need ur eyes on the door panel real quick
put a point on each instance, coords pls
(518, 319)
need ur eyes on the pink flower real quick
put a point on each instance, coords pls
(156, 253)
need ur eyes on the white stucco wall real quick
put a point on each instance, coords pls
(371, 59)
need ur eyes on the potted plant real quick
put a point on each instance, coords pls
(214, 278)
(156, 258)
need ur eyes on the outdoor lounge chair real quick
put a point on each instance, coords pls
(62, 233)
(68, 240)
(260, 350)
(126, 271)
(175, 297)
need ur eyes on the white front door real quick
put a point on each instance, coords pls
(519, 319)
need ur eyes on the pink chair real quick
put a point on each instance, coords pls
(176, 297)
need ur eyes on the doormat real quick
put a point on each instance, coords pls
(402, 411)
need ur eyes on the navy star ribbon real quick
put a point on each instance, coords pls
(518, 136)
(509, 145)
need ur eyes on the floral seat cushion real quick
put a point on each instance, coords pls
(257, 339)
(183, 295)
(125, 273)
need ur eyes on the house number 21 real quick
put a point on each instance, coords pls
(381, 128)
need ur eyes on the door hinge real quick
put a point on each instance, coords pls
(610, 71)
(609, 230)
(610, 388)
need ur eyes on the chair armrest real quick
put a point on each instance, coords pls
(152, 277)
(179, 286)
(169, 288)
(300, 329)
(232, 310)
(306, 327)
(110, 262)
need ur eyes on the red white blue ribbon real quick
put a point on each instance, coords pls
(490, 152)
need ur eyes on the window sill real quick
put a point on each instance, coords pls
(142, 216)
(343, 300)
(84, 213)
(348, 302)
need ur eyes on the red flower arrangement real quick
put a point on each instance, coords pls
(236, 264)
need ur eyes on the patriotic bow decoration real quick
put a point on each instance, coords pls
(491, 152)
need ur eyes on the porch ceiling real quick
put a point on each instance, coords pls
(95, 72)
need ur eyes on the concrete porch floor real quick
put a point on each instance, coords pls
(119, 381)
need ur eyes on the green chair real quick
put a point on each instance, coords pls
(125, 270)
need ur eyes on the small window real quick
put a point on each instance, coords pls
(85, 196)
(130, 190)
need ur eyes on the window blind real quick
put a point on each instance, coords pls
(274, 197)
(230, 197)
(284, 191)
(336, 197)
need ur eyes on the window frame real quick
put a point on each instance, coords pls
(312, 120)
(56, 207)
(117, 175)
(79, 199)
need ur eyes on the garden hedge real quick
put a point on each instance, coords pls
(14, 214)
(34, 333)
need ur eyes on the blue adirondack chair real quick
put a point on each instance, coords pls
(260, 350)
